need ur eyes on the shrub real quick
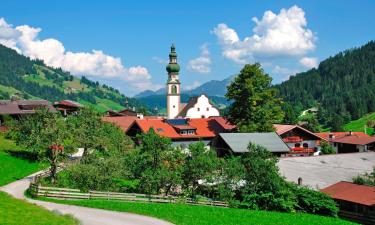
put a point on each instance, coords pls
(314, 202)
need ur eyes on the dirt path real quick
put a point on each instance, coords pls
(87, 216)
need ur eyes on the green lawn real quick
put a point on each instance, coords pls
(358, 125)
(201, 215)
(14, 168)
(14, 211)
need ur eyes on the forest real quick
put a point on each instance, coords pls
(342, 87)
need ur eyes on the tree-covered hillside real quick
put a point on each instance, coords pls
(343, 87)
(33, 79)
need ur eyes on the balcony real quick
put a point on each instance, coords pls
(302, 150)
(292, 139)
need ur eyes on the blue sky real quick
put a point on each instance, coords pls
(213, 39)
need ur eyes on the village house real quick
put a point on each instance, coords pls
(67, 107)
(355, 202)
(237, 143)
(349, 142)
(182, 132)
(16, 108)
(301, 141)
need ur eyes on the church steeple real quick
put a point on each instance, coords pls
(173, 66)
(173, 85)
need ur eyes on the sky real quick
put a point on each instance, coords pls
(126, 43)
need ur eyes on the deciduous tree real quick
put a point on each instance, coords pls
(255, 106)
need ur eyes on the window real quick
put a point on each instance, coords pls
(191, 132)
(305, 145)
(174, 106)
(199, 109)
(203, 116)
(174, 89)
(297, 145)
(208, 109)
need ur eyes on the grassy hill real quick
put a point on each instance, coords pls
(34, 80)
(358, 125)
(182, 214)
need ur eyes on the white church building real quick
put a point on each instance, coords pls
(197, 107)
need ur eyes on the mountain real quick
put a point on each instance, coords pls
(210, 88)
(34, 80)
(147, 93)
(342, 87)
(214, 89)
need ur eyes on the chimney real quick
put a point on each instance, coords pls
(140, 116)
(330, 136)
(13, 98)
(350, 133)
(299, 181)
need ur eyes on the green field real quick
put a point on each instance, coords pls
(181, 214)
(358, 125)
(14, 211)
(14, 168)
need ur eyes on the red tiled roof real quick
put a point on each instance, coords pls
(355, 138)
(325, 135)
(224, 123)
(124, 122)
(205, 127)
(283, 128)
(69, 103)
(361, 194)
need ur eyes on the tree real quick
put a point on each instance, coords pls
(291, 116)
(45, 135)
(86, 128)
(232, 176)
(264, 188)
(152, 161)
(200, 165)
(255, 106)
(311, 123)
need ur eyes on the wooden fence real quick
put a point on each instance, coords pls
(67, 193)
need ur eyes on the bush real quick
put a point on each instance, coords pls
(326, 148)
(314, 202)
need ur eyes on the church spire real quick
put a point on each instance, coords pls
(173, 85)
(173, 66)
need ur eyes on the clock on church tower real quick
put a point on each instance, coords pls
(173, 85)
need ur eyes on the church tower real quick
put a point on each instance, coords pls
(173, 85)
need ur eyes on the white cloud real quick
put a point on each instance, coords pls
(309, 62)
(24, 39)
(283, 34)
(202, 64)
(195, 84)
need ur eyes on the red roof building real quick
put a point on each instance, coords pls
(181, 131)
(67, 107)
(301, 141)
(356, 202)
(348, 142)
